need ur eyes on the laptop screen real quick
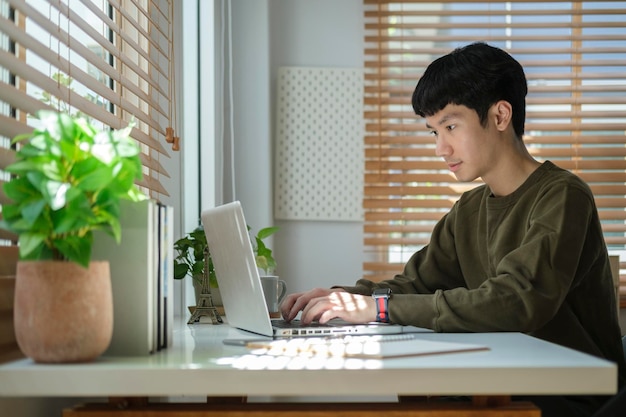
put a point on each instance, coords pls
(235, 268)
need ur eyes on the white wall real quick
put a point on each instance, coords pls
(267, 35)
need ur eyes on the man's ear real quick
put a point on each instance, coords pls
(502, 114)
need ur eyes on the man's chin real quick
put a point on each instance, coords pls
(464, 178)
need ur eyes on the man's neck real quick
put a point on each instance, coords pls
(511, 174)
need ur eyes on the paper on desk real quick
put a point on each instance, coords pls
(367, 347)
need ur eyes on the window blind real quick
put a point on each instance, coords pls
(574, 55)
(108, 60)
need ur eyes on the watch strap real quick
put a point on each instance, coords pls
(382, 308)
(382, 312)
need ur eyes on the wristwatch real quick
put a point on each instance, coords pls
(381, 297)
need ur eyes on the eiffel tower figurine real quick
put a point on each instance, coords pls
(205, 305)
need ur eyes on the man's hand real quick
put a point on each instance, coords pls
(321, 304)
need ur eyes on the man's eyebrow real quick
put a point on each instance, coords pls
(444, 119)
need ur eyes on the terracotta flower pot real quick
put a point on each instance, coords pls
(63, 312)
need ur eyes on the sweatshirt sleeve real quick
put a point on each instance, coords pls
(428, 271)
(525, 282)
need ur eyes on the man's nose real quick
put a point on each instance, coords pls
(442, 148)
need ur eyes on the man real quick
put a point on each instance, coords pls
(524, 252)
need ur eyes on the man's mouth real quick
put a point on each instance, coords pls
(454, 166)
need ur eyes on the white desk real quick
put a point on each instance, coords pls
(200, 364)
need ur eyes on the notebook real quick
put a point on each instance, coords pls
(240, 284)
(364, 347)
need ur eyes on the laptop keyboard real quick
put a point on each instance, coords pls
(295, 324)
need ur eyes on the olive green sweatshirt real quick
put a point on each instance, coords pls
(534, 261)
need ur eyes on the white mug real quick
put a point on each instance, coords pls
(274, 290)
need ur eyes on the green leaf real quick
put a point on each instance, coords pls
(55, 194)
(24, 137)
(52, 170)
(103, 147)
(261, 262)
(30, 242)
(130, 171)
(183, 244)
(67, 127)
(76, 248)
(264, 257)
(40, 182)
(72, 219)
(197, 268)
(85, 130)
(180, 271)
(267, 231)
(41, 144)
(41, 253)
(32, 211)
(126, 148)
(20, 167)
(124, 134)
(20, 189)
(198, 235)
(96, 180)
(74, 193)
(116, 229)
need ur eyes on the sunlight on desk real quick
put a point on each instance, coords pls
(360, 346)
(348, 352)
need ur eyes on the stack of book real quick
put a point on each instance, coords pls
(142, 278)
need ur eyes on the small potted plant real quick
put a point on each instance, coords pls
(67, 181)
(190, 260)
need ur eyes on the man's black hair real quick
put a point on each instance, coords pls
(476, 76)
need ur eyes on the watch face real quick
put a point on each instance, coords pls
(381, 292)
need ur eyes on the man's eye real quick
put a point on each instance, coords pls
(451, 127)
(433, 133)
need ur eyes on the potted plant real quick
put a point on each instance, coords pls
(190, 261)
(67, 181)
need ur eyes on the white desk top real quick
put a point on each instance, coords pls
(199, 364)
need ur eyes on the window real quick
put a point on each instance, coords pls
(108, 60)
(574, 54)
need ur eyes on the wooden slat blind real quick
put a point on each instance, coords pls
(574, 55)
(109, 60)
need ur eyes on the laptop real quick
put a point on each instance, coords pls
(240, 284)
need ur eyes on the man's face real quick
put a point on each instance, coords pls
(464, 144)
